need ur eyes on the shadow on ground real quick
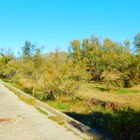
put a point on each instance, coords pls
(101, 88)
(121, 125)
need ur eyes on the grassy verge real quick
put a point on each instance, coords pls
(42, 111)
(26, 100)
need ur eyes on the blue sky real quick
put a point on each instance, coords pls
(54, 23)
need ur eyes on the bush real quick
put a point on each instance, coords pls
(69, 87)
(112, 80)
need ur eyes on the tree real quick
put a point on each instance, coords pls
(29, 49)
(32, 64)
(7, 64)
(137, 42)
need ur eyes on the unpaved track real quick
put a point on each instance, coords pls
(29, 124)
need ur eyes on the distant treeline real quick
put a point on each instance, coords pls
(59, 73)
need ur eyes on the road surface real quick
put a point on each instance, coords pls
(27, 123)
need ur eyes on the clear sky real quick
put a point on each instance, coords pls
(54, 23)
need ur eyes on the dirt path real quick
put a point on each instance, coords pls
(27, 123)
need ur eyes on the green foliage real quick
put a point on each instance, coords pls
(8, 65)
(137, 42)
(29, 49)
(59, 73)
(99, 57)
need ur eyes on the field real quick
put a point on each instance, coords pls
(127, 96)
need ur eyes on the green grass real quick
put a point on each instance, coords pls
(63, 106)
(6, 80)
(55, 118)
(28, 100)
(125, 91)
(59, 105)
(42, 111)
(61, 123)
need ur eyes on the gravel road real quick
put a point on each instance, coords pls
(27, 123)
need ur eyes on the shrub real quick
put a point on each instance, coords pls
(112, 80)
(69, 87)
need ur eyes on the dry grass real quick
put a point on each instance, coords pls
(92, 90)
